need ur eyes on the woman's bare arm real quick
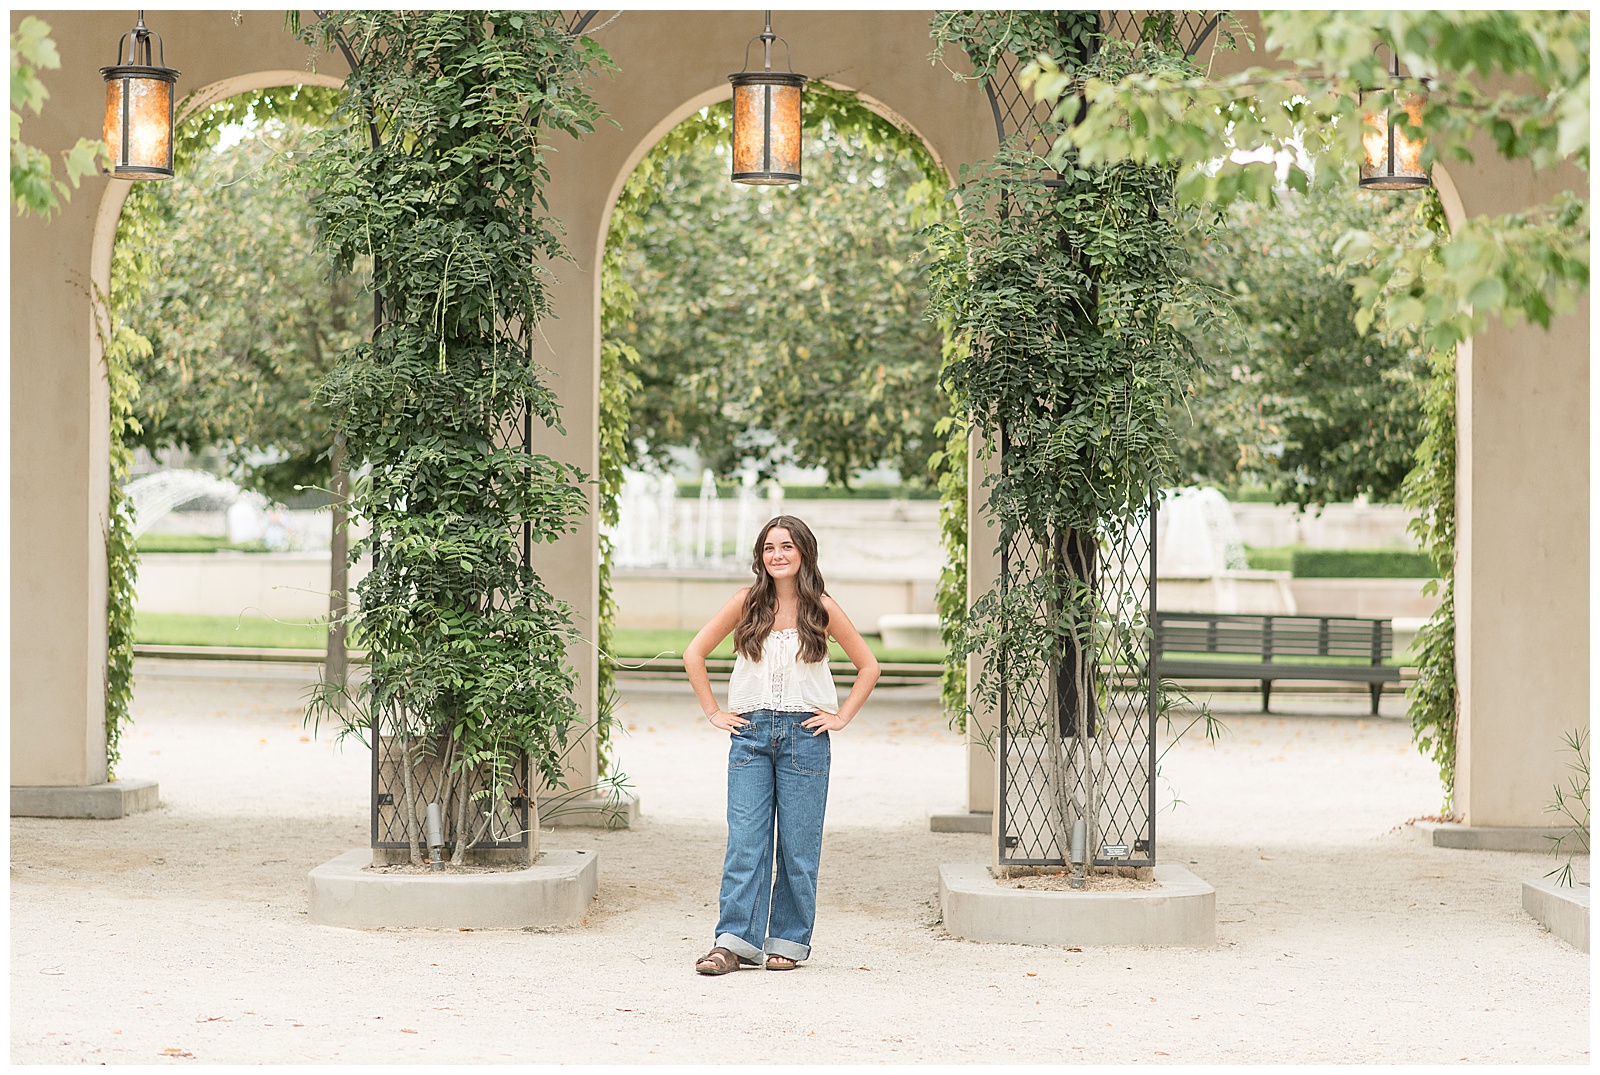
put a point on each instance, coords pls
(694, 662)
(867, 671)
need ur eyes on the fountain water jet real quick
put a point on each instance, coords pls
(1200, 561)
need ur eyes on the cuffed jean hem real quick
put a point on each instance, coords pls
(746, 951)
(777, 946)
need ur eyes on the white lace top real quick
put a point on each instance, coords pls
(780, 680)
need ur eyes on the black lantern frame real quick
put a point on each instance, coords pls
(764, 154)
(1381, 148)
(127, 86)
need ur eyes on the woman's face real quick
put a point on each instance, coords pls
(779, 555)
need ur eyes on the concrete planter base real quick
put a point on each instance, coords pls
(593, 813)
(119, 798)
(1181, 912)
(1561, 910)
(955, 819)
(555, 891)
(1488, 837)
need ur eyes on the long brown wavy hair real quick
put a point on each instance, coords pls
(761, 603)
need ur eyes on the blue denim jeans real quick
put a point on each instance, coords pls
(777, 789)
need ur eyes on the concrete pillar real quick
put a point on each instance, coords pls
(1522, 567)
(983, 575)
(60, 424)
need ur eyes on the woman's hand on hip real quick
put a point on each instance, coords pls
(820, 721)
(728, 722)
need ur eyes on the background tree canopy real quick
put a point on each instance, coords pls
(786, 324)
(1293, 396)
(242, 318)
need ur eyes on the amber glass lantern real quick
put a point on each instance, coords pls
(139, 107)
(766, 119)
(1391, 157)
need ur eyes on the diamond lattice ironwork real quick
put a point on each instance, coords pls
(1014, 109)
(434, 773)
(1078, 740)
(1097, 762)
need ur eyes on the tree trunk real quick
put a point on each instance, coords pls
(337, 664)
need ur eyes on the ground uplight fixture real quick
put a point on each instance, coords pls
(1391, 156)
(140, 99)
(766, 118)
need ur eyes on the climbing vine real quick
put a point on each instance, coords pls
(1433, 701)
(468, 649)
(1063, 299)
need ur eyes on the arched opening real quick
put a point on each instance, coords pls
(212, 299)
(864, 148)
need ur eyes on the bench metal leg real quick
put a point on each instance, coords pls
(1377, 689)
(1266, 694)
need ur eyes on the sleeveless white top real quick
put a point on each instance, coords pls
(780, 680)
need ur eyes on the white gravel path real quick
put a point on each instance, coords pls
(181, 936)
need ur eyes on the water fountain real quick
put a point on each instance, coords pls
(748, 522)
(154, 495)
(708, 526)
(655, 529)
(1200, 561)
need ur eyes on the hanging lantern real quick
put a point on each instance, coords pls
(139, 108)
(766, 119)
(1391, 156)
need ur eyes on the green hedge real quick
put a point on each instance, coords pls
(1344, 563)
(688, 491)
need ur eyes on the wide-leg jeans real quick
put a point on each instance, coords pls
(777, 790)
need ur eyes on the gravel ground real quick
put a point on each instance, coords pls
(181, 936)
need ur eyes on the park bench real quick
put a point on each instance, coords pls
(1228, 645)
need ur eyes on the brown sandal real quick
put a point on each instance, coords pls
(717, 961)
(777, 962)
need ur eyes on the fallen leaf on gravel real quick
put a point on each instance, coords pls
(175, 1051)
(1266, 858)
(52, 970)
(407, 1030)
(1074, 949)
(1160, 1053)
(863, 968)
(305, 739)
(1033, 974)
(207, 1018)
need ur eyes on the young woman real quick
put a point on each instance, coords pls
(782, 705)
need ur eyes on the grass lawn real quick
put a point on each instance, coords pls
(256, 632)
(636, 644)
(172, 629)
(194, 543)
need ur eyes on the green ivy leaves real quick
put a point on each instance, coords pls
(463, 637)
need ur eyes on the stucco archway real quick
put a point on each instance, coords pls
(1523, 426)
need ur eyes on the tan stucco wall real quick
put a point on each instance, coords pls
(1523, 576)
(59, 419)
